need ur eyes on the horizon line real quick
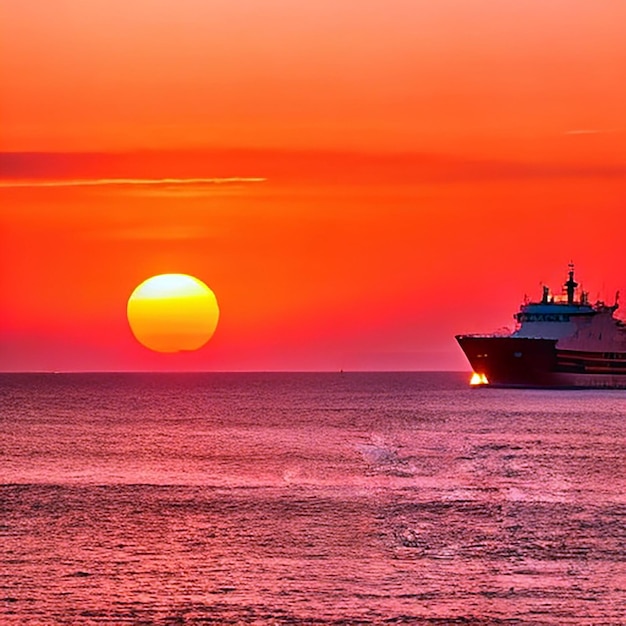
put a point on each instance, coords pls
(327, 371)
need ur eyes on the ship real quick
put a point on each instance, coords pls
(561, 341)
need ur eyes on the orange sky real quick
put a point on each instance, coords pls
(400, 171)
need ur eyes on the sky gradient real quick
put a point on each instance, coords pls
(356, 181)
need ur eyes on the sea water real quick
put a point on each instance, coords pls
(335, 498)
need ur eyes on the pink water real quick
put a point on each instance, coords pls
(309, 499)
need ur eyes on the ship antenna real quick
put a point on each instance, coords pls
(571, 284)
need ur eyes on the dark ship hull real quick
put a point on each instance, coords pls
(535, 362)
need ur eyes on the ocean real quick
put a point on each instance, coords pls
(302, 498)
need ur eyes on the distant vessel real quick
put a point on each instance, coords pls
(561, 341)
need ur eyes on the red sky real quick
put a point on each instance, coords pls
(401, 171)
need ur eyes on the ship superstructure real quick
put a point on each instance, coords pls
(560, 341)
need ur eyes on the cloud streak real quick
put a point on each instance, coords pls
(178, 173)
(592, 131)
(105, 182)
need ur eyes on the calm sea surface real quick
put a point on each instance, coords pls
(309, 499)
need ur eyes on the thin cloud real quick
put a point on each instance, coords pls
(591, 131)
(104, 182)
(167, 232)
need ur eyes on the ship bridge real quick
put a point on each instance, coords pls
(552, 318)
(553, 312)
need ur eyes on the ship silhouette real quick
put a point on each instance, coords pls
(560, 341)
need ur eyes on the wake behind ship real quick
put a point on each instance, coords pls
(561, 341)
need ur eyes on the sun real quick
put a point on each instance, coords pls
(172, 313)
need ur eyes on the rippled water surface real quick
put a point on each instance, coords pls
(309, 499)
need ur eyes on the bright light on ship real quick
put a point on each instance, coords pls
(478, 379)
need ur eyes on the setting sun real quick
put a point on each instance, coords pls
(173, 313)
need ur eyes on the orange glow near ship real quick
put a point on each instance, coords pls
(478, 379)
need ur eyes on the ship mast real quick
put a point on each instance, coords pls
(571, 285)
